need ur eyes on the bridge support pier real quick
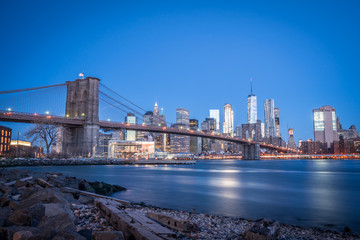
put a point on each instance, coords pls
(251, 151)
(83, 102)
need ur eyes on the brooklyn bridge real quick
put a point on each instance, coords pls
(81, 119)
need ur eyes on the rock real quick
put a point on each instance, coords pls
(107, 235)
(19, 184)
(85, 186)
(347, 229)
(249, 235)
(13, 205)
(57, 217)
(22, 235)
(4, 215)
(17, 197)
(8, 232)
(68, 234)
(86, 233)
(43, 183)
(4, 200)
(36, 212)
(19, 218)
(86, 200)
(47, 195)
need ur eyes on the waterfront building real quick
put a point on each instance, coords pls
(251, 106)
(179, 143)
(5, 135)
(291, 141)
(311, 147)
(325, 129)
(130, 135)
(131, 149)
(103, 145)
(20, 148)
(269, 113)
(277, 122)
(228, 124)
(182, 116)
(215, 114)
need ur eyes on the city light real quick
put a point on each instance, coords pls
(108, 119)
(9, 109)
(47, 112)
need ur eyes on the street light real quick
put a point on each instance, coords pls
(9, 109)
(47, 112)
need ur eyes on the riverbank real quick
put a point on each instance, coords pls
(51, 206)
(22, 162)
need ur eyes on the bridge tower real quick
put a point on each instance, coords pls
(82, 101)
(251, 151)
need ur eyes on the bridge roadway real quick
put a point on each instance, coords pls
(10, 116)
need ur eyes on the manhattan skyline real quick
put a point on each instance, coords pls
(194, 56)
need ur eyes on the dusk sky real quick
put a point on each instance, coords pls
(193, 54)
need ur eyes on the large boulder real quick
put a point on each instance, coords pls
(107, 235)
(7, 233)
(20, 218)
(68, 234)
(263, 230)
(57, 218)
(47, 195)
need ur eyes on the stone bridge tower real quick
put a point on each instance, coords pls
(82, 101)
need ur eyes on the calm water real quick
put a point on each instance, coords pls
(322, 193)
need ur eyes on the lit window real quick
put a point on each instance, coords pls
(1, 149)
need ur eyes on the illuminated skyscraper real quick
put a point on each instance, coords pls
(130, 135)
(182, 116)
(156, 119)
(277, 122)
(215, 114)
(228, 124)
(270, 130)
(251, 107)
(291, 142)
(325, 129)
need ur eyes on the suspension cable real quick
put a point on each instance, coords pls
(31, 89)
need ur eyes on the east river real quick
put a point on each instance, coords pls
(318, 193)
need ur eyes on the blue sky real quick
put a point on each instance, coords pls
(193, 54)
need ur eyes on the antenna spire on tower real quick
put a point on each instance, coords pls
(251, 88)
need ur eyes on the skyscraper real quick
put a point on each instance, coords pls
(195, 142)
(251, 106)
(182, 116)
(270, 130)
(277, 122)
(130, 135)
(228, 124)
(291, 142)
(215, 113)
(325, 129)
(156, 119)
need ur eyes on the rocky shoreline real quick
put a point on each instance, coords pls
(41, 206)
(22, 162)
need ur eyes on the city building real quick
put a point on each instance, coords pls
(182, 116)
(148, 121)
(130, 135)
(195, 142)
(179, 143)
(346, 134)
(291, 141)
(103, 145)
(325, 129)
(262, 130)
(251, 106)
(311, 147)
(131, 149)
(277, 122)
(156, 116)
(5, 134)
(269, 114)
(238, 132)
(215, 114)
(228, 124)
(20, 148)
